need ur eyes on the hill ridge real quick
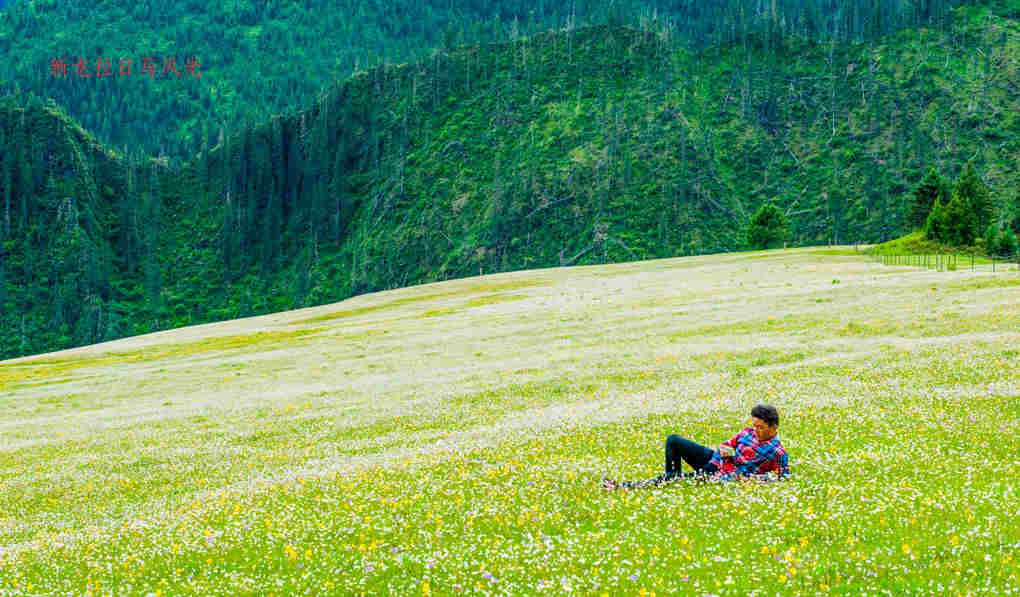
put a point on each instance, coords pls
(569, 147)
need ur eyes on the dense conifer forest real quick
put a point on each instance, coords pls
(262, 57)
(668, 134)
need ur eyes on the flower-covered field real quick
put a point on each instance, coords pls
(449, 438)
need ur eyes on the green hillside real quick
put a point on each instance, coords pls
(450, 438)
(581, 146)
(262, 57)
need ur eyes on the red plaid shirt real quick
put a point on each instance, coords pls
(751, 457)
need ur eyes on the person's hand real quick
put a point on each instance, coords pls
(726, 451)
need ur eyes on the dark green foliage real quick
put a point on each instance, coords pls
(924, 198)
(936, 227)
(259, 58)
(1007, 244)
(767, 228)
(966, 216)
(959, 222)
(56, 261)
(991, 239)
(974, 193)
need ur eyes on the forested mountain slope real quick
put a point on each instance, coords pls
(569, 147)
(261, 57)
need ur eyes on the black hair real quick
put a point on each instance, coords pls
(767, 413)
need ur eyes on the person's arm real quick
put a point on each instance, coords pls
(767, 460)
(784, 466)
(781, 470)
(733, 442)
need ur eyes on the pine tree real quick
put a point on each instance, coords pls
(227, 236)
(246, 201)
(152, 209)
(128, 240)
(767, 227)
(271, 235)
(975, 199)
(295, 166)
(1007, 244)
(22, 184)
(62, 257)
(959, 218)
(275, 195)
(229, 232)
(935, 227)
(337, 189)
(991, 239)
(924, 198)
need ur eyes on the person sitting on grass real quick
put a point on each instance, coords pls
(754, 453)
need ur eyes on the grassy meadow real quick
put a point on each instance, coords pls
(449, 438)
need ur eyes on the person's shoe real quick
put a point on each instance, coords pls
(609, 484)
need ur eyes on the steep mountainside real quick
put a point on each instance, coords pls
(261, 57)
(571, 147)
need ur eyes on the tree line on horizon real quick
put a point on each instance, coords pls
(962, 213)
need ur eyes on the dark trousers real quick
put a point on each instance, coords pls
(679, 450)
